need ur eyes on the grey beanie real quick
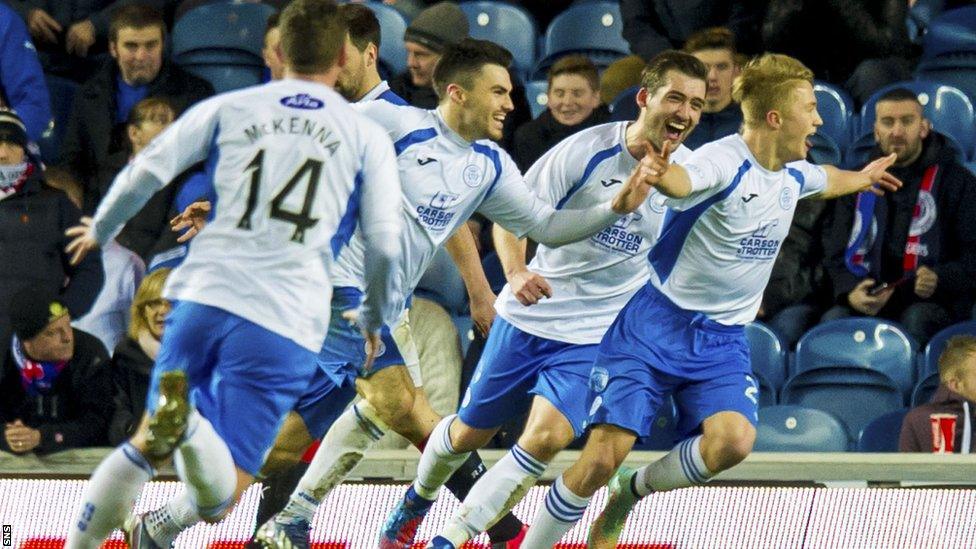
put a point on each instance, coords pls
(438, 26)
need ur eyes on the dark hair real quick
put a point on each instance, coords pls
(364, 28)
(655, 74)
(576, 64)
(312, 35)
(134, 16)
(714, 38)
(899, 94)
(462, 60)
(272, 23)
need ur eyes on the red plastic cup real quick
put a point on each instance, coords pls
(943, 433)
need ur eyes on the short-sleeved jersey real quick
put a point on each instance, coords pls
(295, 169)
(445, 180)
(717, 246)
(592, 279)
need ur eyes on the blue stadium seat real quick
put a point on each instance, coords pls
(508, 25)
(950, 111)
(855, 395)
(768, 353)
(664, 432)
(393, 56)
(935, 346)
(594, 28)
(767, 392)
(836, 108)
(824, 150)
(859, 342)
(62, 93)
(951, 32)
(535, 93)
(925, 388)
(799, 429)
(881, 434)
(442, 283)
(224, 33)
(226, 78)
(971, 166)
(624, 106)
(860, 151)
(920, 16)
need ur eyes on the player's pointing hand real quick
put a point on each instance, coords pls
(645, 176)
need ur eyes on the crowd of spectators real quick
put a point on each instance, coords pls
(909, 257)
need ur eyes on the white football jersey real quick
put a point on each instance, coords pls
(592, 279)
(717, 246)
(295, 170)
(445, 180)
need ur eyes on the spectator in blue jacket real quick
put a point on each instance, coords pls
(22, 85)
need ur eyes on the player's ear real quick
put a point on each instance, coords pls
(456, 93)
(774, 119)
(641, 97)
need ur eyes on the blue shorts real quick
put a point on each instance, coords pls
(344, 351)
(654, 348)
(516, 365)
(323, 403)
(243, 378)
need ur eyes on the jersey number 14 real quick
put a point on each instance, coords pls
(311, 169)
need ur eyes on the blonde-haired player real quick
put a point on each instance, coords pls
(730, 207)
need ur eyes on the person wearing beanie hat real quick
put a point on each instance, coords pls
(55, 381)
(429, 33)
(33, 218)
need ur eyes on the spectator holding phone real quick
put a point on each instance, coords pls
(909, 256)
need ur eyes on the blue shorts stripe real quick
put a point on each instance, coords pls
(136, 457)
(527, 462)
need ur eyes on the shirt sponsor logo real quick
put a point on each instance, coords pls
(758, 246)
(619, 238)
(435, 216)
(302, 101)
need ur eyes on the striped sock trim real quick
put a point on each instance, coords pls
(214, 510)
(561, 509)
(688, 465)
(136, 457)
(528, 463)
(372, 430)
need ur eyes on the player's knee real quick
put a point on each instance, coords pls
(395, 409)
(545, 441)
(465, 438)
(735, 443)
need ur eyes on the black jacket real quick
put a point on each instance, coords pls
(858, 30)
(32, 241)
(652, 26)
(75, 412)
(92, 136)
(715, 125)
(535, 138)
(130, 373)
(798, 275)
(955, 198)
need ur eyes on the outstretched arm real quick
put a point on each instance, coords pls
(874, 178)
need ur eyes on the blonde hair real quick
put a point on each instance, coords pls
(150, 290)
(953, 358)
(766, 83)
